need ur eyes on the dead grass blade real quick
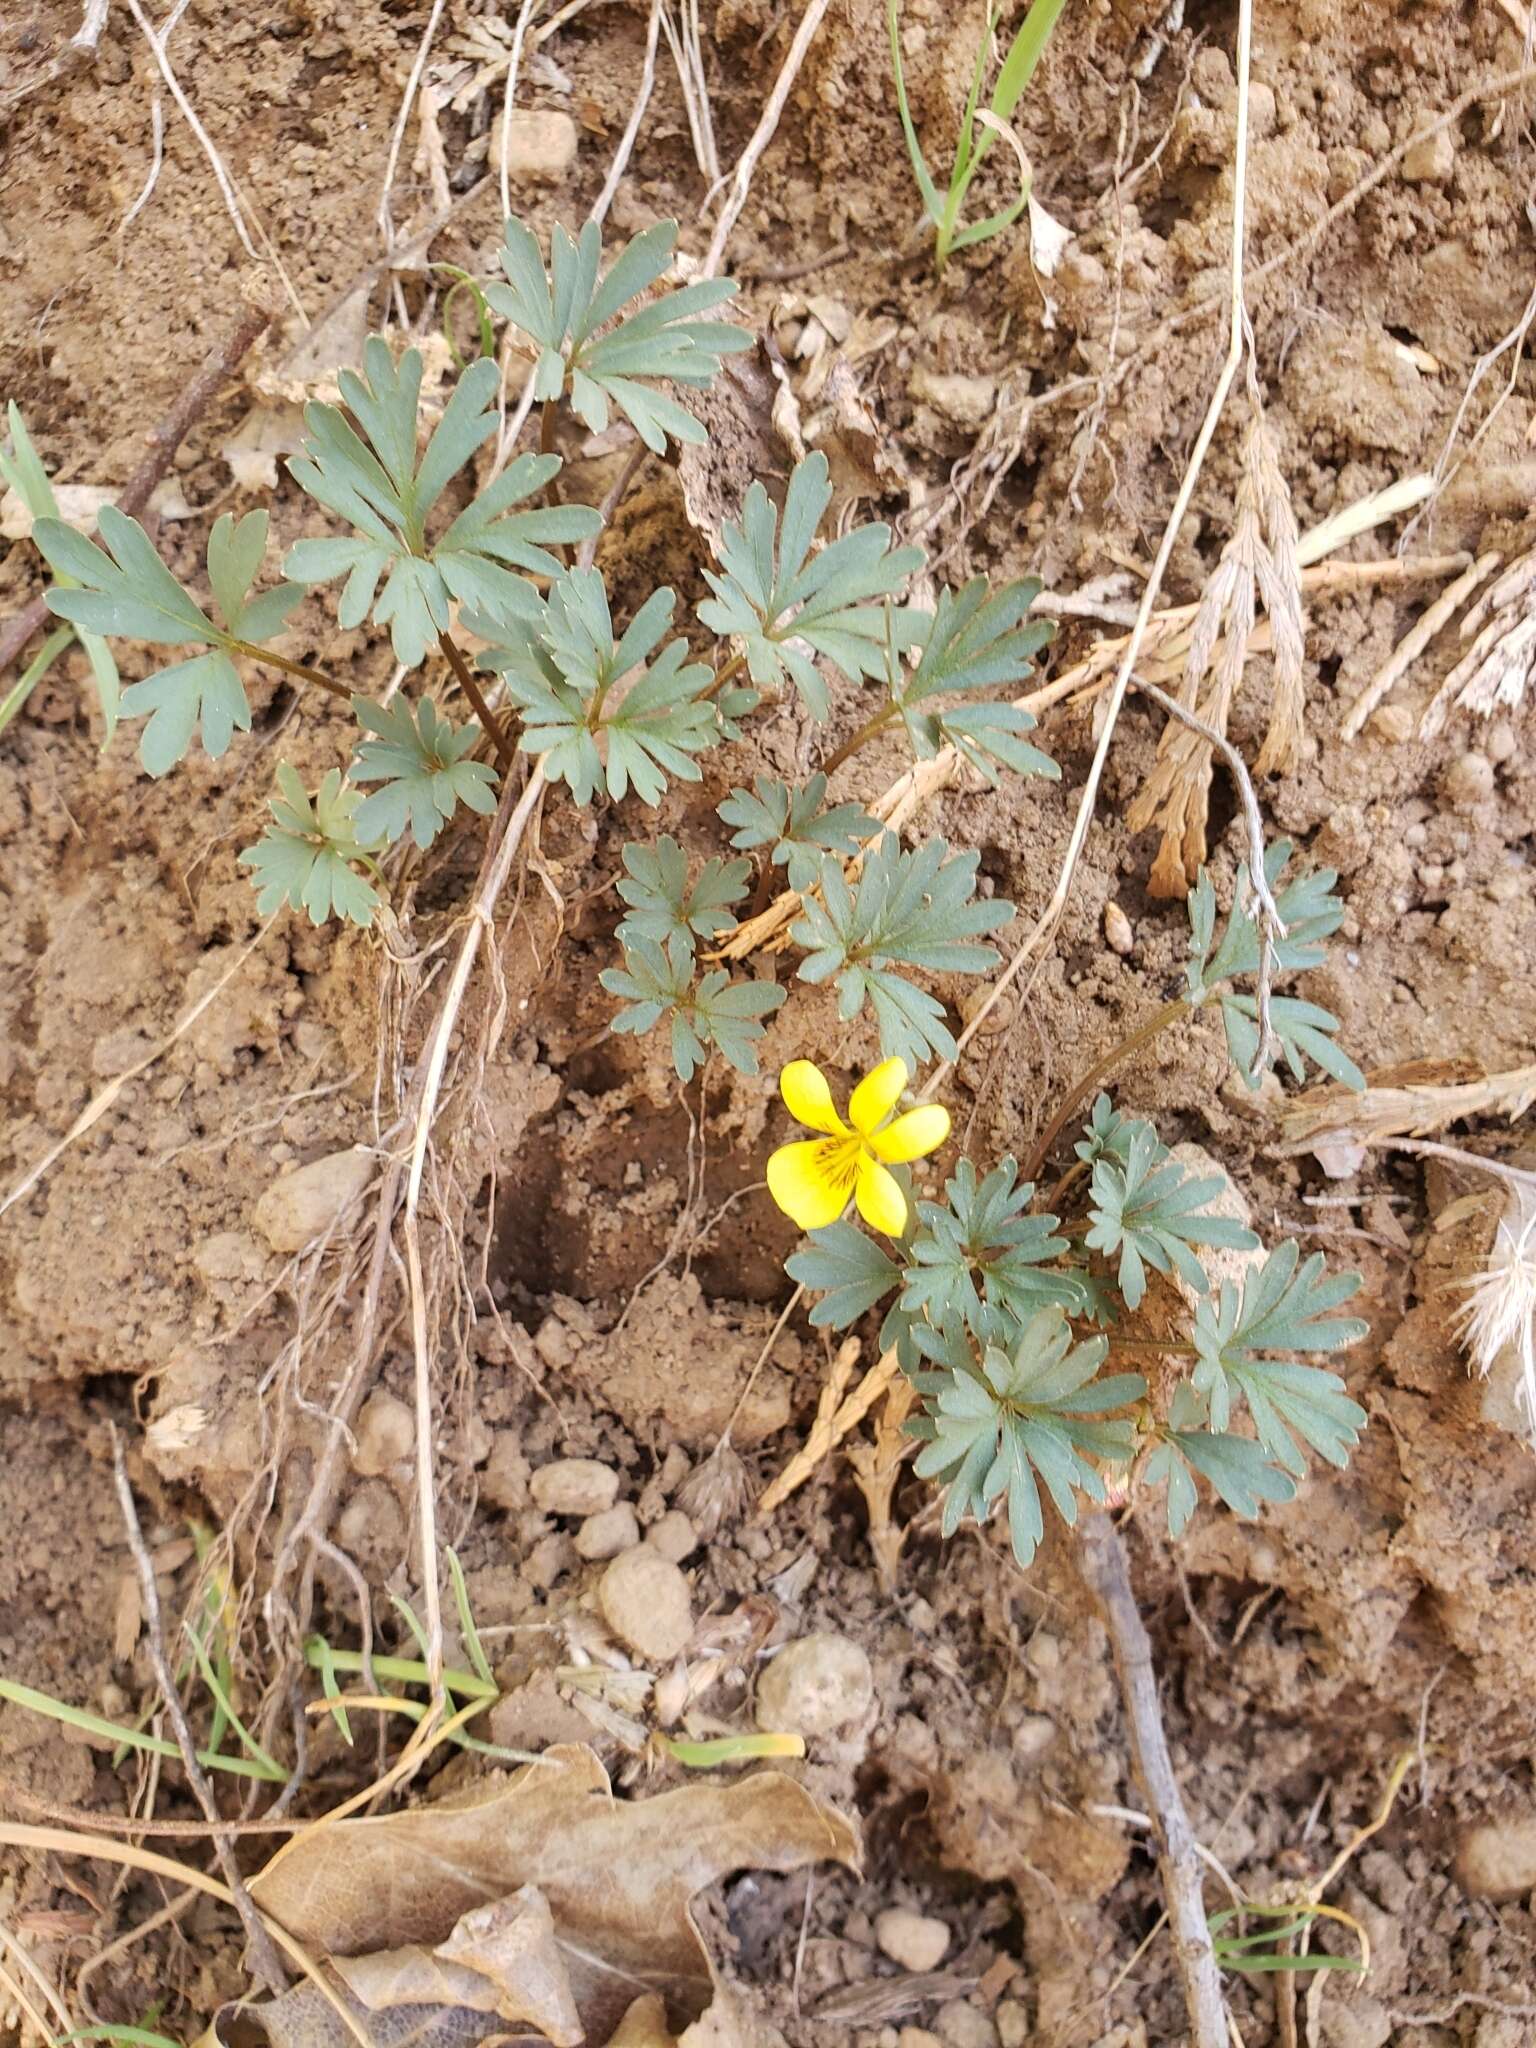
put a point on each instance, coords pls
(835, 1417)
(1403, 1102)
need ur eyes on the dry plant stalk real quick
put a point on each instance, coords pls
(876, 1469)
(834, 1419)
(1496, 669)
(1425, 1095)
(1415, 640)
(1260, 560)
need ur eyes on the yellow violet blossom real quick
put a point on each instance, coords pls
(812, 1179)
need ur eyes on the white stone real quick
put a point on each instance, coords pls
(1498, 1859)
(914, 1940)
(968, 401)
(1430, 160)
(300, 1206)
(646, 1602)
(541, 145)
(574, 1486)
(814, 1687)
(674, 1536)
(386, 1434)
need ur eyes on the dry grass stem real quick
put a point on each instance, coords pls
(877, 1468)
(1496, 670)
(1404, 1102)
(1261, 559)
(835, 1417)
(1414, 642)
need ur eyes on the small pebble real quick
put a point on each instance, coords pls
(386, 1434)
(917, 2037)
(646, 1602)
(1118, 935)
(962, 2025)
(608, 1534)
(673, 1536)
(1468, 781)
(574, 1486)
(504, 1482)
(300, 1206)
(1392, 723)
(1502, 742)
(814, 1687)
(1012, 2024)
(914, 1940)
(968, 401)
(1430, 160)
(1498, 1859)
(541, 144)
(1033, 1737)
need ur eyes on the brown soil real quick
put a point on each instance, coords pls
(1299, 1657)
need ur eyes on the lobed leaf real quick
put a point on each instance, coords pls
(787, 604)
(661, 901)
(797, 824)
(308, 855)
(1150, 1212)
(420, 758)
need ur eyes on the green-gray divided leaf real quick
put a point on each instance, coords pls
(657, 983)
(788, 603)
(979, 1259)
(907, 910)
(663, 905)
(22, 468)
(563, 310)
(1307, 906)
(131, 592)
(1285, 1307)
(797, 824)
(420, 758)
(974, 642)
(1150, 1212)
(1108, 1134)
(848, 1269)
(1020, 1422)
(561, 667)
(307, 855)
(1237, 1468)
(376, 485)
(1303, 1031)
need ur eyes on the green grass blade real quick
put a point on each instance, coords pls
(401, 1670)
(130, 1738)
(1024, 53)
(319, 1654)
(222, 1701)
(932, 204)
(132, 2037)
(409, 1616)
(467, 1628)
(34, 672)
(731, 1749)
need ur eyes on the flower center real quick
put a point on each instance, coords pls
(839, 1158)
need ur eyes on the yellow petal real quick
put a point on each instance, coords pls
(808, 1098)
(881, 1202)
(809, 1182)
(912, 1136)
(877, 1095)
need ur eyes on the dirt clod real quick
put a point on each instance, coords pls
(1498, 1859)
(815, 1687)
(608, 1534)
(541, 145)
(574, 1486)
(916, 1941)
(646, 1602)
(386, 1434)
(302, 1205)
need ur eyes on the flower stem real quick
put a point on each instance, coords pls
(301, 669)
(723, 675)
(466, 679)
(852, 744)
(1078, 1094)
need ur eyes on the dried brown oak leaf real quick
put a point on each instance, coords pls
(617, 1877)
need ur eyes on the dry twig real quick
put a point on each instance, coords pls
(835, 1417)
(164, 440)
(1403, 1102)
(1414, 642)
(1178, 1853)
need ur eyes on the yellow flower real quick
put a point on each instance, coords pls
(812, 1180)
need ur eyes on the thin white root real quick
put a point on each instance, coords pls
(762, 135)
